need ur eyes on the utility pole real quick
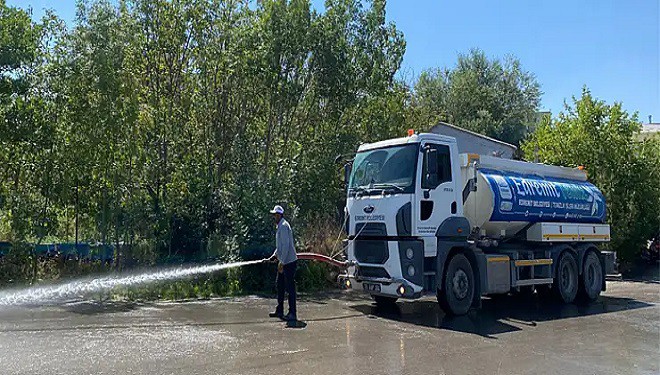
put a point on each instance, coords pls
(77, 208)
(536, 153)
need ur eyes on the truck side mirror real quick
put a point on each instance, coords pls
(348, 167)
(431, 171)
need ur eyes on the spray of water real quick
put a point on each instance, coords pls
(54, 293)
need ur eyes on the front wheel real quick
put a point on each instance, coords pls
(456, 295)
(591, 282)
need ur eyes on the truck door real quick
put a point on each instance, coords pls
(436, 188)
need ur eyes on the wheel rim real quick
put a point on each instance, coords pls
(460, 284)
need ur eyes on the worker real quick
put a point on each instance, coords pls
(285, 255)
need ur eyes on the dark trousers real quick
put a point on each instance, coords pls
(286, 281)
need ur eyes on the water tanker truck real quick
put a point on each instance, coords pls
(423, 219)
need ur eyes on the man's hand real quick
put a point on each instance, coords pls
(280, 267)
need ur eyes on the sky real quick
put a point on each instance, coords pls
(611, 46)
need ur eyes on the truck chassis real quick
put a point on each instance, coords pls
(565, 268)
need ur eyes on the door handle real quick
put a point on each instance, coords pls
(453, 207)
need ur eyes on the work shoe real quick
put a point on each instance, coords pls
(290, 317)
(276, 315)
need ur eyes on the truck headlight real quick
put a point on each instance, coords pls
(410, 253)
(411, 270)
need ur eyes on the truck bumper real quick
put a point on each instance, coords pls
(385, 267)
(399, 288)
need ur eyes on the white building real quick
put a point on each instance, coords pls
(471, 142)
(649, 130)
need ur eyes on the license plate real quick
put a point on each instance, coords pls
(371, 287)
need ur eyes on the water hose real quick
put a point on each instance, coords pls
(324, 259)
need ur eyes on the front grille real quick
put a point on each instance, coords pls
(371, 251)
(379, 272)
(370, 230)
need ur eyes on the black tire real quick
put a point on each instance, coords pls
(457, 293)
(566, 283)
(384, 301)
(591, 281)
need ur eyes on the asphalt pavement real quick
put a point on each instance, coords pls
(343, 333)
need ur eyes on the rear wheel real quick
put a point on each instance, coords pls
(565, 285)
(591, 281)
(384, 301)
(457, 292)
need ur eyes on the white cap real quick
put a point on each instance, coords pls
(277, 210)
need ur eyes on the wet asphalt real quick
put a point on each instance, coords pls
(344, 333)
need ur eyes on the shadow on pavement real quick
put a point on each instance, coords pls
(101, 307)
(298, 324)
(496, 315)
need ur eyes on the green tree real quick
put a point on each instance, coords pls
(174, 125)
(494, 97)
(29, 177)
(18, 49)
(602, 138)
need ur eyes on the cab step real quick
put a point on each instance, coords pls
(528, 282)
(532, 262)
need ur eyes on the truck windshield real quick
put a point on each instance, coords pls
(391, 168)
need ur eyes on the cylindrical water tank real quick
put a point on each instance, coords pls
(506, 202)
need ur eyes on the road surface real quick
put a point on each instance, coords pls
(344, 334)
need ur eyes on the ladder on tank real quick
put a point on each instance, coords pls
(527, 270)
